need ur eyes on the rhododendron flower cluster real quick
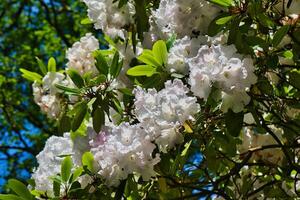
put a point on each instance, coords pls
(184, 17)
(106, 16)
(221, 66)
(46, 95)
(80, 55)
(162, 113)
(120, 151)
(49, 161)
(164, 90)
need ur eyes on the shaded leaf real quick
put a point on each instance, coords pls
(76, 78)
(234, 122)
(79, 115)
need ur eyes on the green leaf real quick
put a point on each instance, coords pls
(66, 168)
(224, 3)
(19, 188)
(186, 148)
(170, 42)
(64, 124)
(277, 177)
(141, 70)
(10, 197)
(56, 188)
(79, 115)
(98, 80)
(86, 21)
(279, 35)
(141, 18)
(160, 52)
(294, 79)
(224, 20)
(76, 78)
(234, 122)
(51, 65)
(101, 63)
(88, 161)
(76, 174)
(265, 20)
(116, 105)
(148, 58)
(288, 54)
(31, 76)
(98, 119)
(126, 91)
(115, 67)
(214, 28)
(67, 90)
(42, 66)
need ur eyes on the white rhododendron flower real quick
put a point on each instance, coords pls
(162, 113)
(49, 161)
(46, 94)
(251, 140)
(221, 66)
(184, 17)
(106, 16)
(80, 55)
(120, 151)
(186, 48)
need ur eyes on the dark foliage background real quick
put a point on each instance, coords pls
(30, 29)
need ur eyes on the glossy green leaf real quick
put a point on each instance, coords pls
(224, 20)
(160, 52)
(42, 66)
(186, 148)
(51, 65)
(98, 119)
(67, 90)
(279, 35)
(66, 168)
(86, 21)
(56, 188)
(19, 188)
(79, 115)
(76, 174)
(64, 124)
(76, 78)
(115, 67)
(288, 54)
(31, 76)
(170, 41)
(224, 3)
(10, 197)
(265, 20)
(141, 70)
(101, 63)
(126, 91)
(148, 58)
(88, 161)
